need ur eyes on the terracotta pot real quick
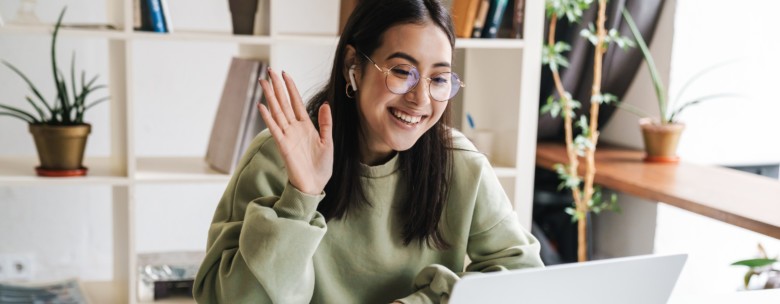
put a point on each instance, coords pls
(661, 140)
(60, 148)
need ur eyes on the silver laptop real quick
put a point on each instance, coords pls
(640, 279)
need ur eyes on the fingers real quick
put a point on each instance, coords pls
(275, 110)
(281, 95)
(269, 121)
(295, 98)
(326, 123)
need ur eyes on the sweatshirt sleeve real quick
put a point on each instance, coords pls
(263, 236)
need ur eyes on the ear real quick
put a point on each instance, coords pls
(351, 69)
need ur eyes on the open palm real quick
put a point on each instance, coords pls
(307, 153)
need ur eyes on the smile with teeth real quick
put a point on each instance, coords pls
(408, 119)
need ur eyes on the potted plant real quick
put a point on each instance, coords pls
(661, 135)
(762, 272)
(58, 128)
(586, 195)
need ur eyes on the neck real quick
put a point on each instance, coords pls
(373, 157)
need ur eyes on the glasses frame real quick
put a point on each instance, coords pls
(387, 72)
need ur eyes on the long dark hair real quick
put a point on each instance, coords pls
(427, 166)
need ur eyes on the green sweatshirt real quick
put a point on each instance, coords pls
(268, 244)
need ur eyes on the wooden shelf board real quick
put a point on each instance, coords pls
(738, 198)
(177, 169)
(21, 171)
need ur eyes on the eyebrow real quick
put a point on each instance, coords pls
(414, 61)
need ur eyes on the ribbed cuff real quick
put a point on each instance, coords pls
(294, 204)
(422, 296)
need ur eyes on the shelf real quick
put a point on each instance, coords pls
(177, 170)
(738, 198)
(495, 43)
(47, 29)
(21, 171)
(461, 43)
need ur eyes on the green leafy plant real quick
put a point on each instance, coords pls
(669, 109)
(762, 265)
(587, 196)
(68, 107)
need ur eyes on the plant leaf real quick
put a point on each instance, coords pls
(660, 93)
(19, 112)
(55, 70)
(29, 83)
(73, 77)
(747, 277)
(27, 120)
(673, 116)
(92, 104)
(753, 263)
(37, 108)
(699, 75)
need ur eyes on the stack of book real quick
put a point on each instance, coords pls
(237, 121)
(488, 18)
(152, 16)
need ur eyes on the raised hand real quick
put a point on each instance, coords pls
(307, 153)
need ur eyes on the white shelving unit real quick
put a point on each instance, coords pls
(502, 77)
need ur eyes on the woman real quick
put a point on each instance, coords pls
(407, 199)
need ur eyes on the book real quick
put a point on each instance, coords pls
(137, 20)
(242, 15)
(479, 22)
(463, 14)
(144, 15)
(155, 16)
(233, 113)
(254, 124)
(166, 16)
(66, 291)
(494, 17)
(517, 19)
(262, 20)
(347, 6)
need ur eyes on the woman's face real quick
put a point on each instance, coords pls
(393, 122)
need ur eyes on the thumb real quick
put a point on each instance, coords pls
(326, 123)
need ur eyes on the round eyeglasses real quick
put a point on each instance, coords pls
(402, 78)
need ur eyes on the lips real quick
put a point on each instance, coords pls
(406, 118)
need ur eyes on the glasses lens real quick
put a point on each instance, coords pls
(444, 86)
(402, 78)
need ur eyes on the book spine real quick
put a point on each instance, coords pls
(494, 17)
(155, 15)
(166, 12)
(242, 15)
(464, 12)
(517, 19)
(137, 20)
(146, 18)
(479, 22)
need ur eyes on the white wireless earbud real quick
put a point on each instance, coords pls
(352, 77)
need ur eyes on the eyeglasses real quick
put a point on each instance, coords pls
(402, 78)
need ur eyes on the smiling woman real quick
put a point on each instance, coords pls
(408, 197)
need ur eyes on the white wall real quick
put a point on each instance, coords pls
(720, 132)
(68, 231)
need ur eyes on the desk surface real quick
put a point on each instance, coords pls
(738, 198)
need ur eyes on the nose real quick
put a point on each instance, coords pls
(420, 95)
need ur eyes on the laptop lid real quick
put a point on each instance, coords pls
(639, 279)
